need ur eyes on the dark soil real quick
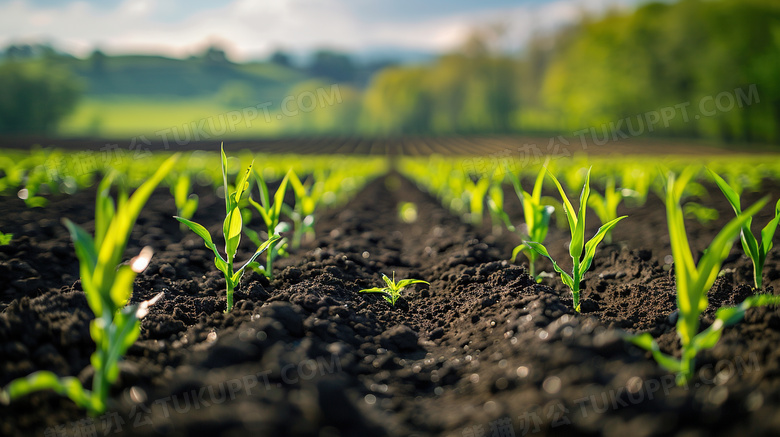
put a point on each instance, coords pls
(482, 351)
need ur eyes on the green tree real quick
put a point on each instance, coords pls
(35, 96)
(626, 64)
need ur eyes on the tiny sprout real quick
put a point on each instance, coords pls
(392, 292)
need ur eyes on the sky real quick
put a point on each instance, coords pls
(252, 29)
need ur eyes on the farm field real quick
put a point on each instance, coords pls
(482, 350)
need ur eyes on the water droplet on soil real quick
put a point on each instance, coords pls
(552, 385)
(246, 335)
(522, 371)
(634, 384)
(754, 401)
(137, 395)
(718, 396)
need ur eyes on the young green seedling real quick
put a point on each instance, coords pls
(392, 292)
(694, 281)
(754, 249)
(703, 214)
(581, 253)
(108, 289)
(5, 239)
(537, 219)
(231, 231)
(495, 201)
(271, 214)
(186, 203)
(606, 206)
(476, 192)
(636, 181)
(307, 196)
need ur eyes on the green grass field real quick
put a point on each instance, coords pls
(129, 117)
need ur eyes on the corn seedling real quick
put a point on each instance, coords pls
(636, 180)
(5, 239)
(475, 192)
(694, 281)
(392, 292)
(537, 219)
(186, 202)
(231, 231)
(581, 253)
(307, 196)
(702, 214)
(108, 289)
(12, 174)
(754, 249)
(606, 206)
(495, 201)
(271, 214)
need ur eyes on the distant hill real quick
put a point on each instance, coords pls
(160, 77)
(209, 75)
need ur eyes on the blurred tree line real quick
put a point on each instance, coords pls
(35, 96)
(600, 71)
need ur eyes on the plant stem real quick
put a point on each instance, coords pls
(100, 382)
(297, 233)
(757, 279)
(229, 283)
(687, 365)
(575, 297)
(575, 291)
(229, 297)
(269, 263)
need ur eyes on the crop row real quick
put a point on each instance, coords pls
(108, 284)
(36, 174)
(467, 192)
(460, 187)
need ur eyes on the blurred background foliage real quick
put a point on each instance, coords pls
(599, 71)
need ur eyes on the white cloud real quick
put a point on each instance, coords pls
(255, 28)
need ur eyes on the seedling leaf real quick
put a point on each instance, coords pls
(392, 292)
(646, 341)
(590, 246)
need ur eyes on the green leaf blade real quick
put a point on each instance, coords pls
(231, 229)
(725, 188)
(198, 229)
(590, 246)
(571, 214)
(646, 342)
